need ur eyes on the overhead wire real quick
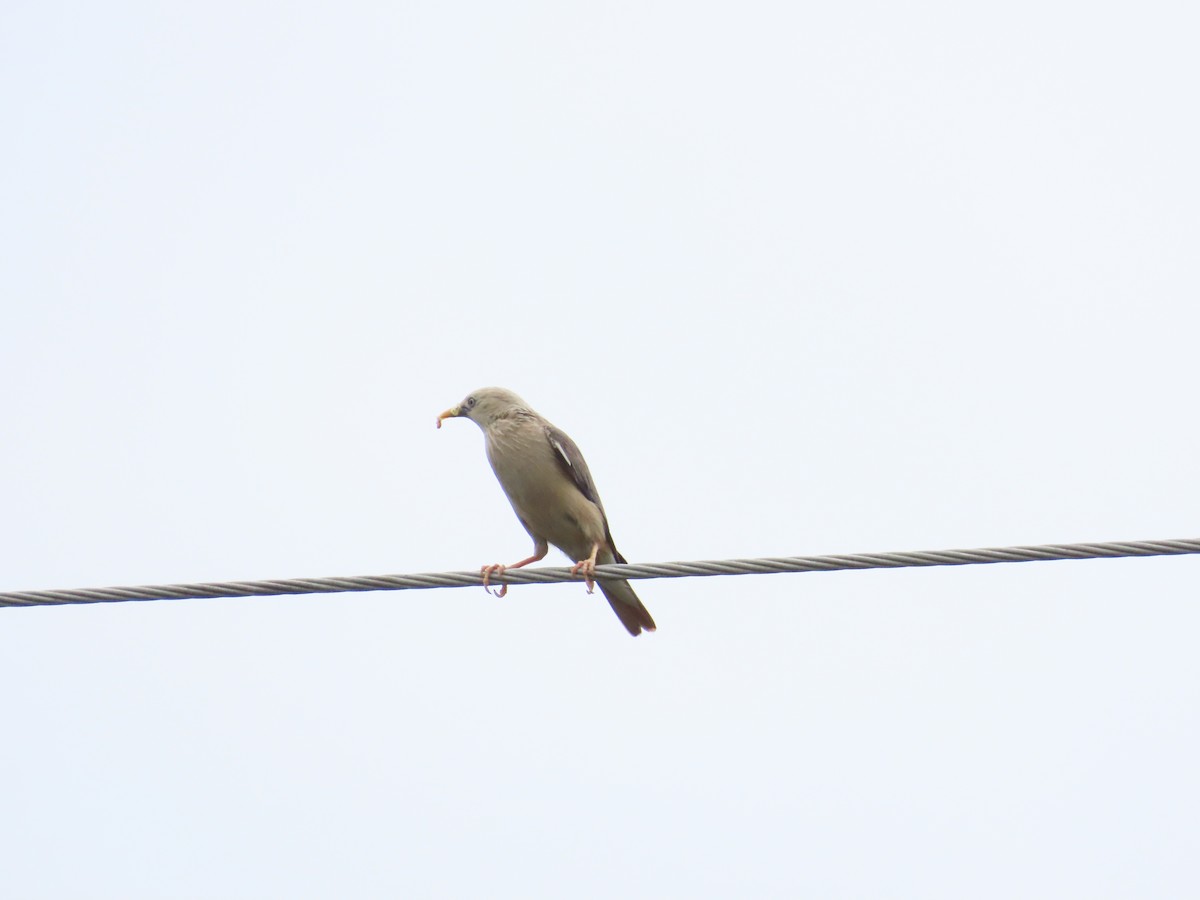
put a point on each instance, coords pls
(549, 575)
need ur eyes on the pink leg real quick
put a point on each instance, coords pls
(587, 568)
(539, 552)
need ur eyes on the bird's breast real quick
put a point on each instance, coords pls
(541, 493)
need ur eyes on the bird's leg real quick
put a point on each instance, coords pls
(587, 568)
(486, 572)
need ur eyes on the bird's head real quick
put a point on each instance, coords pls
(485, 406)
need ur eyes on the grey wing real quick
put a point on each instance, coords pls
(570, 459)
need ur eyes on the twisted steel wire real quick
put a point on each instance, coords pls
(548, 575)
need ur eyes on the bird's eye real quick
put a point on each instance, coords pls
(470, 402)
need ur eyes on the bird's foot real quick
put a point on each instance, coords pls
(486, 572)
(586, 568)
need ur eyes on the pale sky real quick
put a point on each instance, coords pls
(798, 279)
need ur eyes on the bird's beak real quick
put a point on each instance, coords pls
(451, 413)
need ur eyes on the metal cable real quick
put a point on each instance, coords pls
(766, 566)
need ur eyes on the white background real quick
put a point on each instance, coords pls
(797, 278)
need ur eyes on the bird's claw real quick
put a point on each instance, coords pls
(586, 568)
(486, 572)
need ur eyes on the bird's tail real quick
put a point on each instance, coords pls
(625, 603)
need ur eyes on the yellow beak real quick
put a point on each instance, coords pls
(451, 413)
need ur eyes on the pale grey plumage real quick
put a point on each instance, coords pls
(551, 490)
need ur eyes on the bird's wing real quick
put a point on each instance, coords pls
(571, 461)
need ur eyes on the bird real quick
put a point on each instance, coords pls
(546, 479)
